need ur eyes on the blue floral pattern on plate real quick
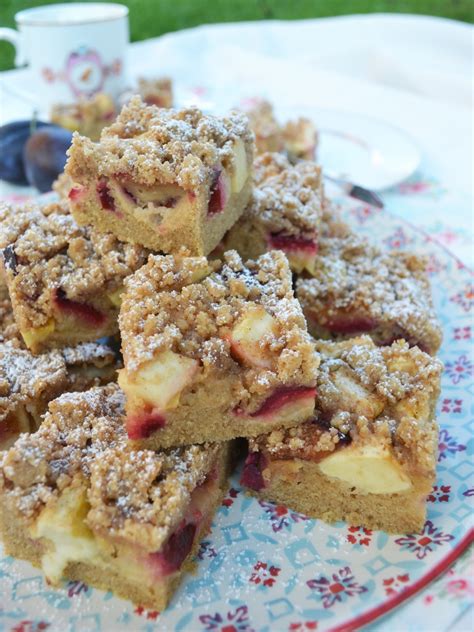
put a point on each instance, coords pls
(264, 567)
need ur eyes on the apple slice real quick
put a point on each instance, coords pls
(63, 524)
(116, 296)
(250, 337)
(354, 398)
(371, 469)
(160, 381)
(240, 170)
(34, 337)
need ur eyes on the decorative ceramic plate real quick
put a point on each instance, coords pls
(266, 568)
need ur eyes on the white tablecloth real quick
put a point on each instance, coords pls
(411, 71)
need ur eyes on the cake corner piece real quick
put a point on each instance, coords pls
(214, 351)
(369, 455)
(77, 502)
(164, 178)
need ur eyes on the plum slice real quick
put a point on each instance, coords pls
(144, 424)
(218, 193)
(176, 549)
(351, 324)
(290, 243)
(279, 398)
(252, 476)
(106, 199)
(82, 311)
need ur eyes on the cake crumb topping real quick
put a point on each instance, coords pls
(367, 393)
(161, 311)
(157, 145)
(52, 252)
(137, 495)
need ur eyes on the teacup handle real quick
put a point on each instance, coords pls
(14, 37)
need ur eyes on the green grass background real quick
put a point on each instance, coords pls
(149, 18)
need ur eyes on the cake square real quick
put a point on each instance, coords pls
(78, 502)
(298, 138)
(87, 116)
(164, 178)
(356, 288)
(214, 351)
(157, 92)
(369, 455)
(284, 213)
(28, 383)
(64, 280)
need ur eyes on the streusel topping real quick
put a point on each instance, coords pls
(264, 124)
(367, 393)
(155, 145)
(44, 249)
(25, 377)
(286, 200)
(137, 495)
(196, 320)
(357, 278)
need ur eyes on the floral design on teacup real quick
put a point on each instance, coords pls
(84, 72)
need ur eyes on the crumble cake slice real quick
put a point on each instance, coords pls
(77, 501)
(214, 351)
(28, 382)
(356, 288)
(64, 280)
(284, 213)
(87, 116)
(164, 178)
(369, 455)
(298, 139)
(157, 92)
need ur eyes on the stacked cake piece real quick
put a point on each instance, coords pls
(173, 238)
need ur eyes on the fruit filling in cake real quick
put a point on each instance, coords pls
(214, 351)
(357, 288)
(64, 280)
(283, 214)
(369, 454)
(80, 503)
(164, 178)
(28, 382)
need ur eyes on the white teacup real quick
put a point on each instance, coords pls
(73, 50)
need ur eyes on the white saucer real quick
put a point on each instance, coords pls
(360, 149)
